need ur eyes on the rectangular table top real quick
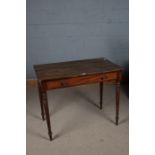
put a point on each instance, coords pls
(76, 68)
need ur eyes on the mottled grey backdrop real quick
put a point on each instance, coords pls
(62, 30)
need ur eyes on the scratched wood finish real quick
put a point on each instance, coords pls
(74, 68)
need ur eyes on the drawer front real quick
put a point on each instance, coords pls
(80, 80)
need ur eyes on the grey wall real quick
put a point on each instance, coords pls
(61, 30)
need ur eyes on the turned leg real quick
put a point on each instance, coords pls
(101, 94)
(117, 101)
(41, 102)
(45, 103)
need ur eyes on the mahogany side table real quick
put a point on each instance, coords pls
(74, 73)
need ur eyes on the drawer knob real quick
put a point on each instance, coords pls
(104, 77)
(63, 84)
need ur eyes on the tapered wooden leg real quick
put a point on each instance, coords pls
(41, 102)
(117, 101)
(101, 94)
(45, 103)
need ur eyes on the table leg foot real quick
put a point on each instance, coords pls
(43, 118)
(117, 120)
(50, 136)
(47, 114)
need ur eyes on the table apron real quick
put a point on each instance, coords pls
(75, 81)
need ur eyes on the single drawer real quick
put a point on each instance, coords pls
(75, 81)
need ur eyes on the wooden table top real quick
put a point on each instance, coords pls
(77, 68)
